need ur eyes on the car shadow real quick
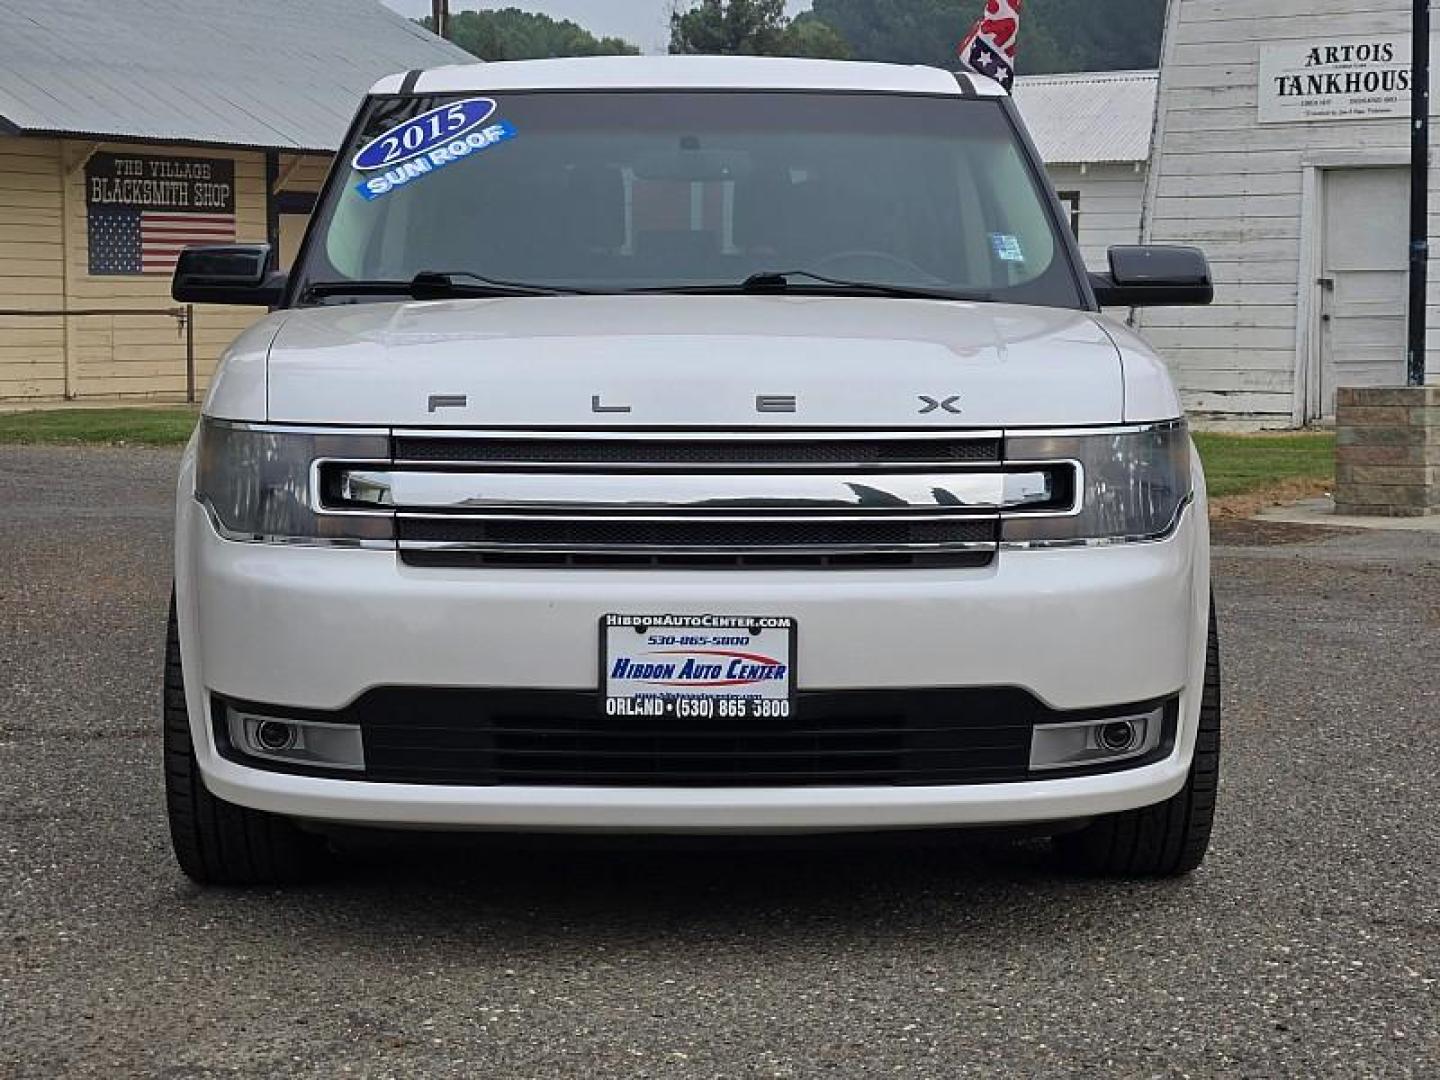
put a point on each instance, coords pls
(567, 893)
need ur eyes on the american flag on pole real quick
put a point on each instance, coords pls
(129, 240)
(989, 48)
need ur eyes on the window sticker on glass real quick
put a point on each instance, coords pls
(430, 141)
(423, 133)
(1007, 247)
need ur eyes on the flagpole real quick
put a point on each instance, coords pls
(1419, 195)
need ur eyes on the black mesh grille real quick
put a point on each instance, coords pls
(719, 453)
(557, 738)
(773, 536)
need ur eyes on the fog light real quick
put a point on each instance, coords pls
(296, 742)
(1119, 736)
(1095, 742)
(273, 736)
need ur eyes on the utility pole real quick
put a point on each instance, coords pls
(1419, 194)
(440, 16)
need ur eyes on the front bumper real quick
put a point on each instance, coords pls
(688, 810)
(316, 628)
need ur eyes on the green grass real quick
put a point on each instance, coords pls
(105, 427)
(1243, 464)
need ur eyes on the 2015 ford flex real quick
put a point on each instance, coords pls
(707, 445)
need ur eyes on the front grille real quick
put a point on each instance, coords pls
(581, 533)
(757, 451)
(682, 560)
(556, 738)
(580, 543)
(767, 499)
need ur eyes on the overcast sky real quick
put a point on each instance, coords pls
(641, 22)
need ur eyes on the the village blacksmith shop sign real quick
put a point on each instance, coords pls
(142, 210)
(1344, 79)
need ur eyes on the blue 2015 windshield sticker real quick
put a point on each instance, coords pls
(423, 133)
(437, 158)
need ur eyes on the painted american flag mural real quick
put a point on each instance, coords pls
(143, 211)
(129, 241)
(990, 47)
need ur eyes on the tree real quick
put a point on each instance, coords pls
(512, 34)
(729, 28)
(815, 39)
(1056, 35)
(751, 28)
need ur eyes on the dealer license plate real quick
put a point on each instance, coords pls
(705, 666)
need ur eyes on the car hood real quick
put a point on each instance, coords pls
(693, 361)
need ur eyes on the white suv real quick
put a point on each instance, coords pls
(690, 446)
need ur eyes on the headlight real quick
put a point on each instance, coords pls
(1135, 483)
(257, 482)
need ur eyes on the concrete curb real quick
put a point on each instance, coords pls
(1321, 512)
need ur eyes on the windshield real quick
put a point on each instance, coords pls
(616, 192)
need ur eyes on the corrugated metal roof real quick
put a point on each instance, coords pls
(278, 74)
(1090, 118)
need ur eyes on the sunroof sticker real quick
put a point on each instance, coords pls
(433, 159)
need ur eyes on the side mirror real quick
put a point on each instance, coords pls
(1154, 276)
(232, 274)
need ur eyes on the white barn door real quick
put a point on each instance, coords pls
(1363, 281)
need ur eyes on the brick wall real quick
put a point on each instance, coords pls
(1389, 451)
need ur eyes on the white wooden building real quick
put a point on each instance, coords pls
(1282, 149)
(1094, 131)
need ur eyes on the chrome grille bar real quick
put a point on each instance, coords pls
(717, 494)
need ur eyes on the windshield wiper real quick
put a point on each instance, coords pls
(465, 284)
(437, 285)
(779, 281)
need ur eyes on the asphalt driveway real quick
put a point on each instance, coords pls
(1308, 945)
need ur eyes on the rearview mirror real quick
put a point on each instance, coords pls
(694, 166)
(232, 274)
(1154, 276)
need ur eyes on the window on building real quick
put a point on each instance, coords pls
(1071, 201)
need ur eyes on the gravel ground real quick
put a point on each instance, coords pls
(1308, 945)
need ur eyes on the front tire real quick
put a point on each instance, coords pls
(216, 842)
(1171, 838)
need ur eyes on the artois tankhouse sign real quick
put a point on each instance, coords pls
(1335, 79)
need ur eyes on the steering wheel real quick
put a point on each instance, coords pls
(912, 270)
